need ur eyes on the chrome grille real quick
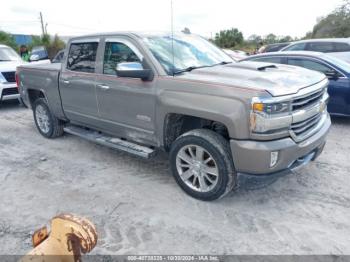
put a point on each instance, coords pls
(304, 126)
(308, 100)
(310, 107)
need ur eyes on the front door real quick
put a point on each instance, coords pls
(126, 105)
(77, 83)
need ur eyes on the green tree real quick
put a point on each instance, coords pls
(52, 45)
(229, 38)
(336, 24)
(286, 38)
(8, 39)
(255, 39)
(270, 39)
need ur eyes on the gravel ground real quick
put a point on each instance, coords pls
(139, 209)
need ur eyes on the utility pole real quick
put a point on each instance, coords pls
(42, 23)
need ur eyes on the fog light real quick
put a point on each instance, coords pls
(274, 158)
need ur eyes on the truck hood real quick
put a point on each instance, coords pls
(9, 66)
(276, 79)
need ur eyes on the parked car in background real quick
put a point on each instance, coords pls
(273, 47)
(213, 116)
(58, 57)
(236, 54)
(39, 55)
(338, 47)
(9, 60)
(337, 71)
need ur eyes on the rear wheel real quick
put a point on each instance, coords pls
(202, 165)
(48, 124)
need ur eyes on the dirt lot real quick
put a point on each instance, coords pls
(139, 209)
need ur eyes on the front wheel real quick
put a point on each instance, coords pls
(47, 123)
(202, 165)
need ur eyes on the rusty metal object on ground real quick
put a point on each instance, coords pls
(70, 237)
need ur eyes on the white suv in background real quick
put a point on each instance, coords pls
(338, 47)
(9, 60)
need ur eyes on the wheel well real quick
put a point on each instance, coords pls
(34, 95)
(178, 124)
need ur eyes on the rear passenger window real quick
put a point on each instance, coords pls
(296, 47)
(275, 60)
(323, 47)
(309, 64)
(341, 47)
(115, 53)
(82, 57)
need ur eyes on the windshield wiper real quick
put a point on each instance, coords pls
(4, 60)
(222, 63)
(190, 68)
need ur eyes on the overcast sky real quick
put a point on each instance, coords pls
(205, 17)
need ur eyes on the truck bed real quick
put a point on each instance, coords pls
(51, 67)
(43, 78)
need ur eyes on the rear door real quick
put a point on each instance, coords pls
(338, 87)
(78, 84)
(126, 105)
(323, 47)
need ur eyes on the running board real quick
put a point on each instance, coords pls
(111, 142)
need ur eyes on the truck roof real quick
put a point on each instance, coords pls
(136, 34)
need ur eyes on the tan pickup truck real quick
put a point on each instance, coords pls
(179, 93)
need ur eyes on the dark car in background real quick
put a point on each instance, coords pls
(273, 47)
(337, 71)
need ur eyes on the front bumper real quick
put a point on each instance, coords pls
(253, 157)
(7, 91)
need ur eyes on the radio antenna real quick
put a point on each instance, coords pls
(172, 34)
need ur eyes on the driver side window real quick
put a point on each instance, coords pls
(115, 53)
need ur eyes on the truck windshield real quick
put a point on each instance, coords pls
(190, 52)
(7, 54)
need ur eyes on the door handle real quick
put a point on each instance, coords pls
(102, 86)
(65, 81)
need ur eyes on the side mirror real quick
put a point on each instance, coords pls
(133, 70)
(34, 58)
(332, 74)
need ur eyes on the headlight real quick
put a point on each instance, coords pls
(275, 108)
(2, 79)
(270, 117)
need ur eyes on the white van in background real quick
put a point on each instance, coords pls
(338, 47)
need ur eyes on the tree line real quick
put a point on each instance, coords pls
(334, 25)
(52, 44)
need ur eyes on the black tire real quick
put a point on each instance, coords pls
(55, 128)
(219, 150)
